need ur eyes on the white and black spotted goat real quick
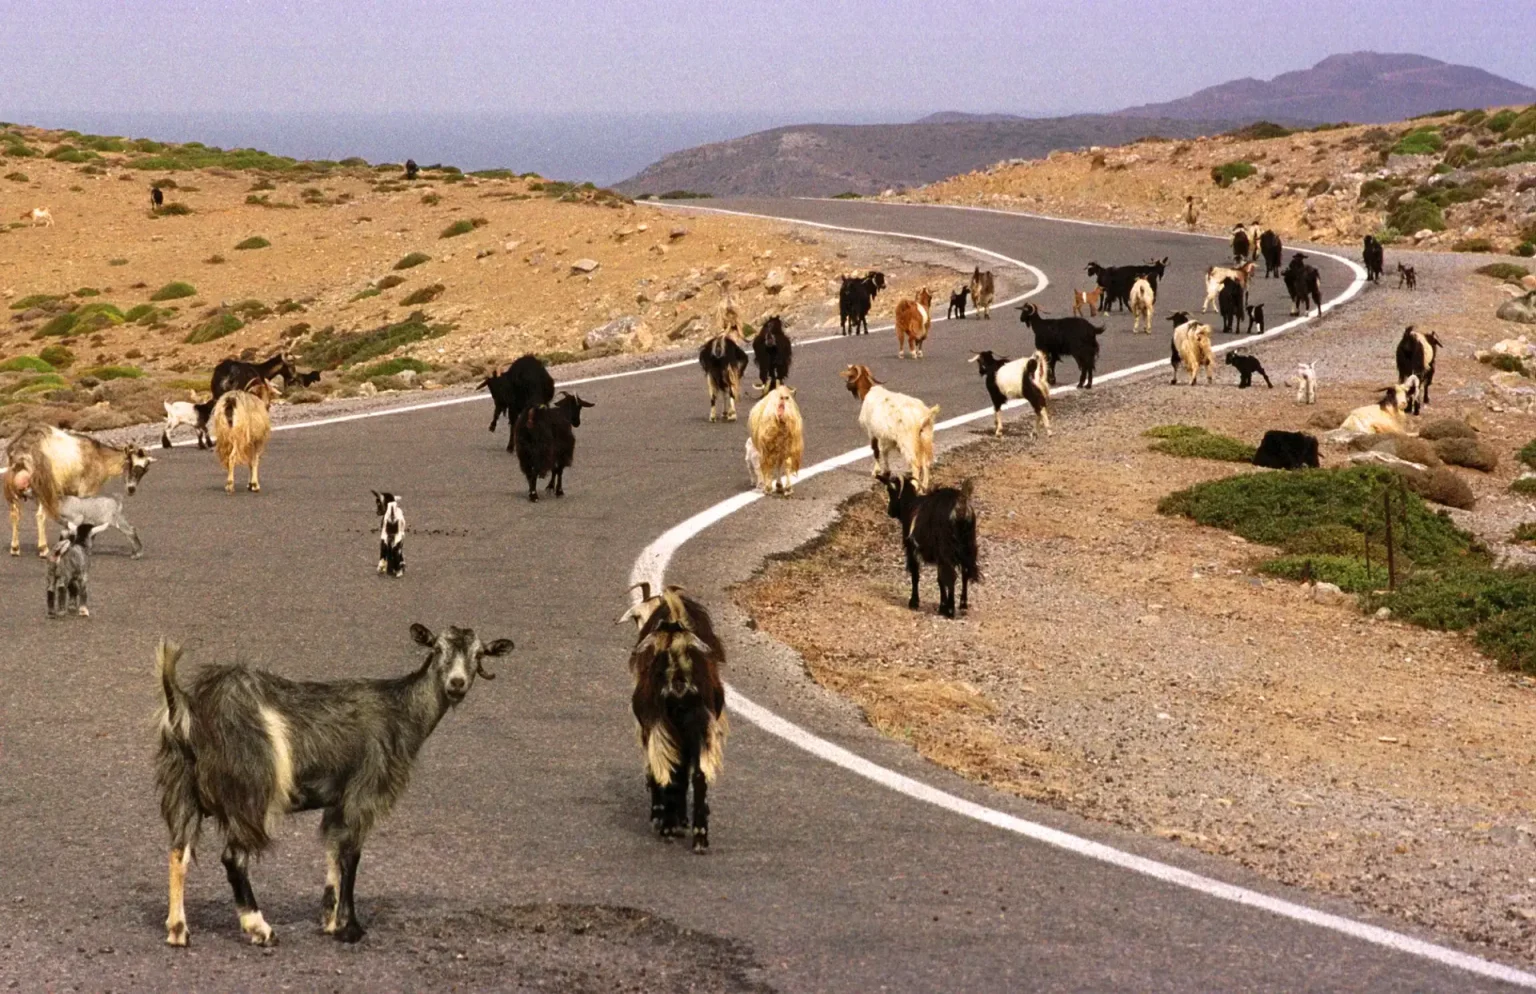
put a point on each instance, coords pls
(391, 533)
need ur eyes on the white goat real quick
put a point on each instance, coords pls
(185, 413)
(1306, 383)
(100, 513)
(1143, 297)
(39, 216)
(894, 421)
(778, 439)
(1216, 274)
(1387, 416)
(1192, 347)
(1016, 379)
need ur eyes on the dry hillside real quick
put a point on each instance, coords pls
(1465, 181)
(389, 283)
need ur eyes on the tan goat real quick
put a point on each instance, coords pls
(913, 319)
(778, 439)
(1192, 347)
(50, 464)
(241, 425)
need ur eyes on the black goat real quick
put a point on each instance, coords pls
(1247, 366)
(1270, 248)
(1407, 276)
(1375, 259)
(156, 198)
(391, 533)
(1303, 284)
(724, 362)
(524, 384)
(1287, 450)
(1256, 325)
(309, 379)
(244, 747)
(1057, 337)
(1240, 247)
(1230, 301)
(1416, 353)
(679, 704)
(957, 303)
(235, 374)
(854, 299)
(940, 529)
(546, 443)
(772, 351)
(411, 169)
(1117, 281)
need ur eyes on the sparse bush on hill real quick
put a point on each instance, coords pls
(174, 291)
(425, 295)
(1472, 245)
(412, 260)
(1460, 156)
(1503, 271)
(463, 227)
(1500, 122)
(431, 199)
(214, 328)
(105, 373)
(391, 367)
(262, 184)
(1197, 443)
(1417, 215)
(172, 209)
(327, 350)
(18, 177)
(26, 364)
(57, 356)
(68, 153)
(1419, 141)
(389, 282)
(58, 327)
(1260, 131)
(253, 242)
(1523, 126)
(684, 195)
(1526, 249)
(1230, 172)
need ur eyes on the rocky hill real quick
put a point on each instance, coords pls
(1362, 87)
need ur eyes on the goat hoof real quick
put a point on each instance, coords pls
(85, 612)
(533, 496)
(352, 933)
(913, 604)
(176, 935)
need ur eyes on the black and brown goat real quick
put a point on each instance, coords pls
(679, 706)
(724, 362)
(245, 747)
(771, 351)
(524, 384)
(1304, 285)
(546, 444)
(1416, 352)
(938, 528)
(235, 374)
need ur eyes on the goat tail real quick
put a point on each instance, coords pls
(484, 384)
(175, 717)
(933, 412)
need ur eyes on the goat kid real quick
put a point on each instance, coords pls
(1247, 367)
(1087, 300)
(186, 413)
(913, 320)
(1256, 325)
(1192, 347)
(1306, 383)
(957, 303)
(1017, 379)
(894, 421)
(100, 513)
(245, 747)
(1416, 352)
(69, 565)
(1407, 276)
(983, 289)
(39, 216)
(777, 439)
(391, 533)
(938, 528)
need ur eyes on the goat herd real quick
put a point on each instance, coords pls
(244, 746)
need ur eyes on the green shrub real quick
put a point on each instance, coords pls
(214, 328)
(215, 260)
(251, 309)
(390, 367)
(389, 282)
(139, 312)
(68, 153)
(96, 316)
(1510, 639)
(1472, 245)
(1462, 597)
(1472, 118)
(354, 162)
(1197, 443)
(1388, 235)
(1260, 131)
(1526, 249)
(105, 373)
(1419, 141)
(17, 177)
(289, 306)
(26, 364)
(1523, 126)
(1348, 572)
(32, 300)
(431, 199)
(1527, 453)
(172, 209)
(425, 295)
(1507, 363)
(414, 259)
(1500, 122)
(364, 294)
(262, 184)
(19, 150)
(1373, 188)
(463, 227)
(327, 350)
(848, 195)
(683, 195)
(1460, 156)
(1526, 532)
(59, 326)
(1417, 215)
(57, 356)
(117, 262)
(1524, 485)
(494, 174)
(87, 291)
(174, 291)
(1228, 173)
(263, 200)
(1503, 270)
(1319, 188)
(253, 242)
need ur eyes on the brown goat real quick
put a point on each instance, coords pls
(51, 464)
(913, 319)
(679, 705)
(241, 426)
(1088, 299)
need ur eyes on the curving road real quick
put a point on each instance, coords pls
(521, 857)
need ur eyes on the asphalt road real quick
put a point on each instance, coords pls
(521, 857)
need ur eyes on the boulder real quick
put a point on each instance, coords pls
(1472, 453)
(584, 266)
(1446, 428)
(1521, 310)
(1328, 593)
(774, 281)
(614, 333)
(1405, 447)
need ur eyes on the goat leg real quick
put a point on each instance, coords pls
(558, 482)
(77, 588)
(348, 928)
(176, 916)
(914, 569)
(700, 811)
(658, 803)
(42, 531)
(16, 528)
(255, 481)
(946, 590)
(251, 921)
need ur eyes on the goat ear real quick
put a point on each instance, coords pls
(585, 403)
(500, 647)
(422, 634)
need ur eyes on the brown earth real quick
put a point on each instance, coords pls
(507, 286)
(1135, 668)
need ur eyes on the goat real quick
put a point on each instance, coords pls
(1191, 212)
(1306, 383)
(913, 319)
(727, 314)
(1241, 249)
(1407, 276)
(190, 413)
(1017, 379)
(411, 169)
(524, 384)
(777, 439)
(1253, 240)
(391, 533)
(100, 513)
(724, 362)
(1230, 302)
(234, 374)
(244, 747)
(310, 378)
(939, 529)
(1192, 346)
(1271, 249)
(546, 443)
(1087, 300)
(69, 566)
(854, 299)
(983, 289)
(1387, 416)
(1287, 450)
(1057, 337)
(51, 464)
(1247, 366)
(679, 708)
(1215, 276)
(1303, 284)
(1143, 301)
(39, 216)
(957, 303)
(1116, 281)
(1416, 352)
(156, 198)
(771, 351)
(1256, 325)
(241, 426)
(1374, 258)
(893, 421)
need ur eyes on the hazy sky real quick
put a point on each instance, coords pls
(793, 57)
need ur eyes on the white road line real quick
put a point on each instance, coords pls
(651, 567)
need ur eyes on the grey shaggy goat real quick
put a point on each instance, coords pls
(244, 747)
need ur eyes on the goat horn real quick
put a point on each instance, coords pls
(644, 587)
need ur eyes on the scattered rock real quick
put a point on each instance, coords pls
(367, 389)
(1403, 447)
(1521, 310)
(1326, 418)
(615, 332)
(583, 266)
(1383, 613)
(1328, 593)
(510, 245)
(677, 232)
(1472, 453)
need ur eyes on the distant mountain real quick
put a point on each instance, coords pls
(1363, 87)
(828, 159)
